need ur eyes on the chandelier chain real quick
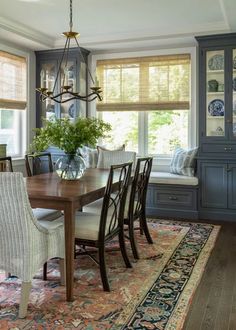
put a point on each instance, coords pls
(71, 22)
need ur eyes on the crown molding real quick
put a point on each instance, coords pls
(26, 32)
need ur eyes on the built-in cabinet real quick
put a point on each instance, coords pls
(47, 64)
(217, 127)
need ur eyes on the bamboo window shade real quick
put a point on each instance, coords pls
(12, 81)
(145, 83)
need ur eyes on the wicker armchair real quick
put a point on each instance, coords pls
(25, 243)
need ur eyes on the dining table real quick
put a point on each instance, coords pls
(50, 191)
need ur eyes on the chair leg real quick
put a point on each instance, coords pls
(123, 249)
(144, 226)
(45, 272)
(132, 239)
(25, 292)
(103, 269)
(62, 271)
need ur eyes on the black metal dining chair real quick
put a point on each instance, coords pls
(38, 163)
(96, 230)
(6, 164)
(136, 203)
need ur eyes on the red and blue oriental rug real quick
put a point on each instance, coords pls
(154, 294)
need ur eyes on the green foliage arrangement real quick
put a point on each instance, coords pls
(68, 135)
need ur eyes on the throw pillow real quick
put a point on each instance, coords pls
(90, 156)
(108, 158)
(99, 148)
(183, 161)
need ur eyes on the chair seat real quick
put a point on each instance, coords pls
(87, 225)
(95, 207)
(46, 214)
(52, 225)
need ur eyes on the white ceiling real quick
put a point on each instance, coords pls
(114, 24)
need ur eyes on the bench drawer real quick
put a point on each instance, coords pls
(174, 198)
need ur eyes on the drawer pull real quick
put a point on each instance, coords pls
(227, 148)
(173, 198)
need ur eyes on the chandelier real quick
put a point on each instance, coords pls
(66, 93)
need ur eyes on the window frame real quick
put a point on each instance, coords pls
(27, 120)
(161, 162)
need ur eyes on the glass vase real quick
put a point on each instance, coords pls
(70, 167)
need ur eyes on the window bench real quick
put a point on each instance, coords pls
(172, 195)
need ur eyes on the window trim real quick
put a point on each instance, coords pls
(193, 122)
(30, 113)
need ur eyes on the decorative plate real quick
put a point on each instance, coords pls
(234, 62)
(216, 108)
(216, 62)
(50, 108)
(234, 84)
(71, 111)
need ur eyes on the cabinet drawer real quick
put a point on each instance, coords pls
(171, 198)
(224, 148)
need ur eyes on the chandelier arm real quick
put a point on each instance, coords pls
(84, 60)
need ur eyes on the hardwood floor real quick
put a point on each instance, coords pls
(214, 303)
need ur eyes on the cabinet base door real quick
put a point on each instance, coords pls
(214, 185)
(232, 186)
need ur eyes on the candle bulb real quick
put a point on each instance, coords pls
(42, 78)
(96, 82)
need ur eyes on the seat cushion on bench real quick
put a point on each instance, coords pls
(169, 178)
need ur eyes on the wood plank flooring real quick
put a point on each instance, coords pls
(214, 303)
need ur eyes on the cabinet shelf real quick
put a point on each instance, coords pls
(215, 117)
(215, 71)
(216, 93)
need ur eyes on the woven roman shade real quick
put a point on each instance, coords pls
(145, 83)
(12, 81)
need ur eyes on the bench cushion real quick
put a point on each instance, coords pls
(169, 178)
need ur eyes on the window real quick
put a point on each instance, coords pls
(147, 101)
(12, 102)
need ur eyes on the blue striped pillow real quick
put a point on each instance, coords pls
(183, 161)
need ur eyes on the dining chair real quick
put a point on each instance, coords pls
(136, 203)
(25, 243)
(38, 163)
(96, 230)
(135, 208)
(6, 164)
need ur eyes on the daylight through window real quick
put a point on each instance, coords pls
(147, 96)
(12, 102)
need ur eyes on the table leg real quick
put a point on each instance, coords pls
(69, 214)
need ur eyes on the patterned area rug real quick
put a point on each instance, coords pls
(154, 294)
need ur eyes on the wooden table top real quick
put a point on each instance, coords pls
(49, 185)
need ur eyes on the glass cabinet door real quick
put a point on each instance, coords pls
(68, 78)
(215, 96)
(48, 71)
(234, 92)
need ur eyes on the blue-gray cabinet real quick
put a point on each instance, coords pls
(172, 200)
(47, 64)
(217, 127)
